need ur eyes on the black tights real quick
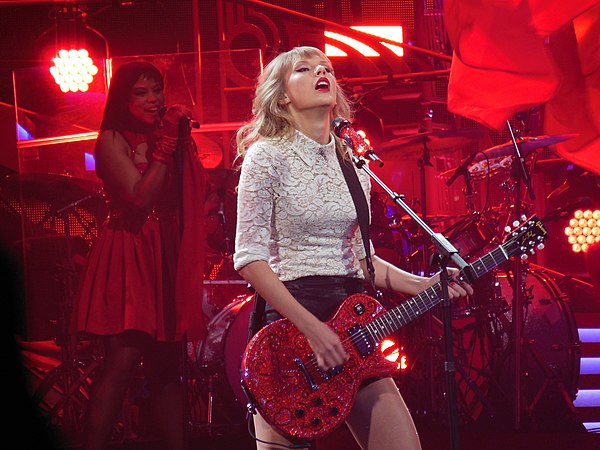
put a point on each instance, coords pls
(161, 366)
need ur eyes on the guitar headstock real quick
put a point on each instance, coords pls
(525, 238)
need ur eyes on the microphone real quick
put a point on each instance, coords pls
(462, 169)
(190, 122)
(342, 128)
(185, 120)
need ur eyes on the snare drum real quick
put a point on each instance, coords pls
(224, 345)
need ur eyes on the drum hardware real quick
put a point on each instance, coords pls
(482, 341)
(220, 207)
(498, 160)
(550, 341)
(431, 141)
(71, 378)
(219, 362)
(219, 293)
(204, 397)
(473, 346)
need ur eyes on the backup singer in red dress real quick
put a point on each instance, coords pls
(298, 241)
(140, 294)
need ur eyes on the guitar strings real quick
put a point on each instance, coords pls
(358, 335)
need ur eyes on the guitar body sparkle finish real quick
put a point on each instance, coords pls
(292, 393)
(280, 373)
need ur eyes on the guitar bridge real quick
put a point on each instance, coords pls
(306, 373)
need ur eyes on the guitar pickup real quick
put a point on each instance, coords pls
(361, 340)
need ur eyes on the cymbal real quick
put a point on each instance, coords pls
(436, 140)
(53, 187)
(498, 159)
(209, 151)
(527, 144)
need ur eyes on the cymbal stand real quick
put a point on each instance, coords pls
(468, 193)
(422, 163)
(71, 377)
(520, 174)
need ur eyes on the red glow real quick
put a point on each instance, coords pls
(394, 353)
(393, 33)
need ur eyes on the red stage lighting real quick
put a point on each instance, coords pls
(394, 353)
(393, 33)
(73, 70)
(72, 46)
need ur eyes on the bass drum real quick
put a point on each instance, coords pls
(221, 353)
(550, 356)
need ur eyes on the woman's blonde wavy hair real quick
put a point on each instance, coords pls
(270, 118)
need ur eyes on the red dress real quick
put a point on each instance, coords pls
(143, 272)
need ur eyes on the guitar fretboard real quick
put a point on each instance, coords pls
(409, 310)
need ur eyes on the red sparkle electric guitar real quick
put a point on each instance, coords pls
(279, 371)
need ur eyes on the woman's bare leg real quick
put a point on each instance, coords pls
(380, 418)
(267, 433)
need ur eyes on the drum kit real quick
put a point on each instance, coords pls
(482, 325)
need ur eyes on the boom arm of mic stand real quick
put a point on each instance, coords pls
(442, 244)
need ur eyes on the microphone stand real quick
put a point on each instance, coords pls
(446, 252)
(520, 174)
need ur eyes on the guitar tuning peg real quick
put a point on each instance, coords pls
(532, 251)
(540, 246)
(507, 229)
(515, 224)
(524, 256)
(523, 217)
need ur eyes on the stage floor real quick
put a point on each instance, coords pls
(238, 439)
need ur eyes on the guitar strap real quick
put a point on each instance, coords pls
(362, 212)
(257, 316)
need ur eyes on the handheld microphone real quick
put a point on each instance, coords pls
(342, 128)
(185, 120)
(190, 121)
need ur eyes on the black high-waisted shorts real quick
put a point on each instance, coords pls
(321, 295)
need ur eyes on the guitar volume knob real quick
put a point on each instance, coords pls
(359, 309)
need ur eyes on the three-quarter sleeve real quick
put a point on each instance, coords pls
(254, 206)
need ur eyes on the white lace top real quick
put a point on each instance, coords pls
(294, 210)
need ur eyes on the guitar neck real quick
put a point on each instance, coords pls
(396, 318)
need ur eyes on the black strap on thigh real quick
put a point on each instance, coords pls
(257, 317)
